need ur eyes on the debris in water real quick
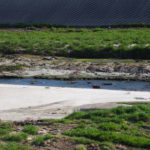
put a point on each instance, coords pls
(32, 81)
(107, 83)
(95, 86)
(71, 82)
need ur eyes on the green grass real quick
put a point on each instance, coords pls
(30, 129)
(3, 131)
(11, 68)
(40, 139)
(121, 125)
(13, 146)
(5, 128)
(15, 137)
(120, 43)
(64, 121)
(81, 147)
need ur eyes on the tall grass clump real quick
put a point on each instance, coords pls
(30, 129)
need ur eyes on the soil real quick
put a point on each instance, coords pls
(58, 141)
(68, 68)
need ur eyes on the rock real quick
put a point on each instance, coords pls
(43, 132)
(81, 146)
(54, 112)
(107, 83)
(95, 86)
(71, 82)
(93, 146)
(48, 58)
(32, 81)
(29, 138)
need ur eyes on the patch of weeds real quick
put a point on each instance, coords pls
(81, 125)
(11, 68)
(14, 146)
(3, 131)
(48, 136)
(15, 137)
(65, 121)
(109, 126)
(140, 116)
(6, 125)
(106, 145)
(76, 115)
(95, 134)
(30, 129)
(40, 139)
(84, 140)
(107, 119)
(1, 146)
(81, 147)
(5, 128)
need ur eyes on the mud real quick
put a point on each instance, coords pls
(67, 68)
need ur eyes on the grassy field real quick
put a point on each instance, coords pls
(79, 43)
(119, 128)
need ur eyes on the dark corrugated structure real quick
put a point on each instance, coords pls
(75, 12)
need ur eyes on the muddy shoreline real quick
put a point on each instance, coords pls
(60, 68)
(42, 67)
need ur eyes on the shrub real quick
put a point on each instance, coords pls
(6, 125)
(13, 146)
(3, 131)
(40, 139)
(81, 147)
(30, 129)
(15, 137)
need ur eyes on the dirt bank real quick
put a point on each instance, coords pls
(27, 66)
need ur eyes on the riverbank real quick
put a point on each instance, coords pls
(78, 43)
(47, 67)
(121, 128)
(21, 102)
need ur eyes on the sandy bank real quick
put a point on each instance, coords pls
(19, 102)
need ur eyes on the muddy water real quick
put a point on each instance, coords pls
(104, 84)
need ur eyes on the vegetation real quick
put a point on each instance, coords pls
(5, 128)
(11, 68)
(122, 125)
(22, 25)
(79, 42)
(15, 137)
(81, 147)
(127, 127)
(40, 139)
(13, 146)
(30, 129)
